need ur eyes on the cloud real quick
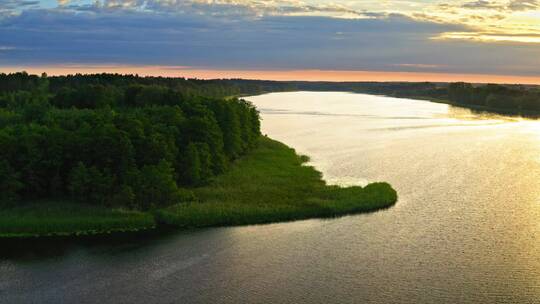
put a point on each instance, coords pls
(6, 48)
(490, 37)
(227, 8)
(523, 5)
(483, 4)
(14, 4)
(513, 5)
(420, 65)
(12, 7)
(394, 42)
(195, 40)
(272, 34)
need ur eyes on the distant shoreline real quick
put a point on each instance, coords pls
(484, 109)
(479, 108)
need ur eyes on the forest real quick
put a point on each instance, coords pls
(107, 153)
(142, 142)
(117, 141)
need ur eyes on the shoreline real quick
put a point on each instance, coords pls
(486, 109)
(269, 185)
(479, 108)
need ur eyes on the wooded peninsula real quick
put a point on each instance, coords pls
(93, 154)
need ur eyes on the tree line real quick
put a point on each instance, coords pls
(514, 98)
(496, 96)
(116, 140)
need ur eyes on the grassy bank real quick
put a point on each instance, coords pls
(45, 218)
(272, 185)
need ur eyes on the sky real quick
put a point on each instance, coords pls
(432, 40)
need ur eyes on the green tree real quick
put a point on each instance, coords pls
(79, 181)
(90, 184)
(9, 184)
(124, 197)
(191, 166)
(156, 186)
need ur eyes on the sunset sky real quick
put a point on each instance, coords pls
(479, 41)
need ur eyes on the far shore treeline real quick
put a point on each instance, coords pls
(517, 99)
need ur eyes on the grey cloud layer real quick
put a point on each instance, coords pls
(254, 8)
(513, 5)
(392, 42)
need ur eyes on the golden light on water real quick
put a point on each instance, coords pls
(533, 126)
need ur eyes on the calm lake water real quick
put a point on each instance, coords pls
(466, 228)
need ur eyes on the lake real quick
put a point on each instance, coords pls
(466, 227)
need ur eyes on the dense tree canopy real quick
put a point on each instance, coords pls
(117, 140)
(496, 96)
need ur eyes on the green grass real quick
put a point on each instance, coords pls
(61, 218)
(271, 184)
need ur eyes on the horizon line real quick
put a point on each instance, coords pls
(275, 75)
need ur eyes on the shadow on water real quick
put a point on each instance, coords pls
(38, 248)
(487, 112)
(35, 249)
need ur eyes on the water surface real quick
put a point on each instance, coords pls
(466, 227)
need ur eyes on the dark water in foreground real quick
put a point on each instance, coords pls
(465, 230)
